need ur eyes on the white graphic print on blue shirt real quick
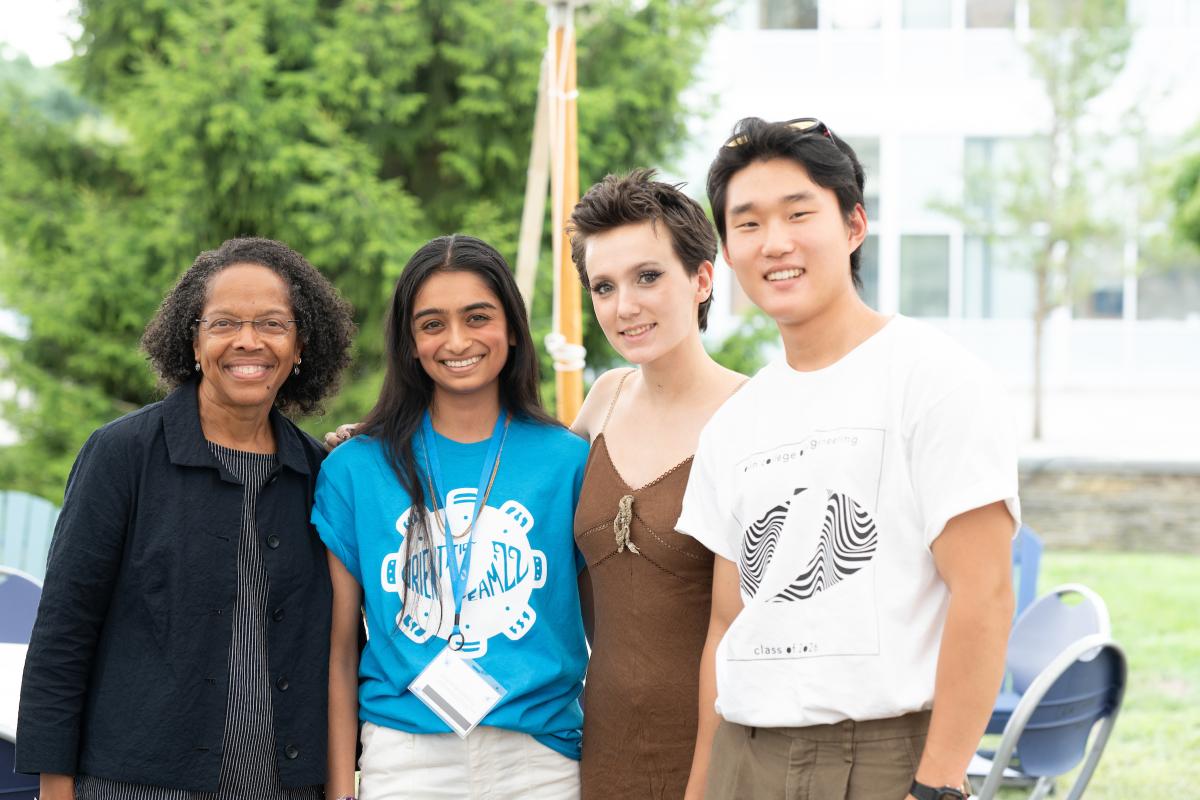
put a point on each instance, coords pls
(505, 570)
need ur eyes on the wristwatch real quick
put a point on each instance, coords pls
(923, 792)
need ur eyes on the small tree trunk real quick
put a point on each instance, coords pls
(1041, 310)
(1039, 318)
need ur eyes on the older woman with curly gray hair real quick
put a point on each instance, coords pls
(181, 646)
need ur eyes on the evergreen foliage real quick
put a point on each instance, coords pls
(351, 130)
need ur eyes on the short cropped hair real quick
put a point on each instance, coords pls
(325, 322)
(634, 198)
(828, 160)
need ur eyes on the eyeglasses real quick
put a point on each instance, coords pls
(225, 327)
(802, 124)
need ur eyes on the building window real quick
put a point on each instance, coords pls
(1055, 14)
(925, 276)
(867, 150)
(868, 271)
(857, 15)
(1097, 280)
(998, 277)
(929, 184)
(788, 14)
(991, 167)
(981, 174)
(1168, 283)
(926, 14)
(1173, 293)
(991, 13)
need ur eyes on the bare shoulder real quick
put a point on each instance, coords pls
(732, 378)
(595, 405)
(726, 383)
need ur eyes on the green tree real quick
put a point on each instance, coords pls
(46, 89)
(352, 130)
(1042, 207)
(744, 349)
(1185, 194)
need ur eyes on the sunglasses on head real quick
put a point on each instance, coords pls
(802, 124)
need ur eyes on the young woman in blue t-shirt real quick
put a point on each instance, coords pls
(475, 656)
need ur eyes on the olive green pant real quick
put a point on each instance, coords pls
(872, 760)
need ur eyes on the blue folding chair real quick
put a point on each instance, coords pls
(1048, 733)
(14, 785)
(1027, 560)
(26, 527)
(19, 597)
(1063, 615)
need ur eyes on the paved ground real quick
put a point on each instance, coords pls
(1130, 425)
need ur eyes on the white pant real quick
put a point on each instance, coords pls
(490, 764)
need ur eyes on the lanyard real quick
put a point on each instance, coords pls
(487, 476)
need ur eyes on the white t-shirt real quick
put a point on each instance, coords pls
(826, 488)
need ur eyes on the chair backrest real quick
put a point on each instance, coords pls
(1063, 615)
(1050, 728)
(13, 785)
(1027, 560)
(26, 525)
(1055, 737)
(19, 597)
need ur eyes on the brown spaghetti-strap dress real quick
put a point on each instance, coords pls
(652, 591)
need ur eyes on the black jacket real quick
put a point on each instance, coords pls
(128, 668)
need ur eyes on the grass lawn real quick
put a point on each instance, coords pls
(1154, 602)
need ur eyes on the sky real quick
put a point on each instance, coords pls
(41, 29)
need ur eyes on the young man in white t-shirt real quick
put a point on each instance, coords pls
(860, 496)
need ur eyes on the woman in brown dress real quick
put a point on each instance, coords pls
(644, 251)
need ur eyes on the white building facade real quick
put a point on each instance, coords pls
(931, 93)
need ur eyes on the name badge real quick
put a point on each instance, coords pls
(458, 690)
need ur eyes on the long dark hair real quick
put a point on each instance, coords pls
(408, 390)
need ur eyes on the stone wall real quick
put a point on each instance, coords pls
(1113, 506)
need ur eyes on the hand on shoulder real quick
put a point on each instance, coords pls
(344, 433)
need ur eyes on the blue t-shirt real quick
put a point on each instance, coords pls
(520, 614)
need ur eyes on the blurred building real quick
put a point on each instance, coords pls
(935, 93)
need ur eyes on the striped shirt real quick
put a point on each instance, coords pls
(248, 769)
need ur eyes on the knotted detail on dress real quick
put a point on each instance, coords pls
(621, 525)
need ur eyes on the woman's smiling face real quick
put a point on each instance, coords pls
(644, 298)
(460, 333)
(241, 366)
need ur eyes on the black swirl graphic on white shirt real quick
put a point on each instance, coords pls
(758, 545)
(847, 543)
